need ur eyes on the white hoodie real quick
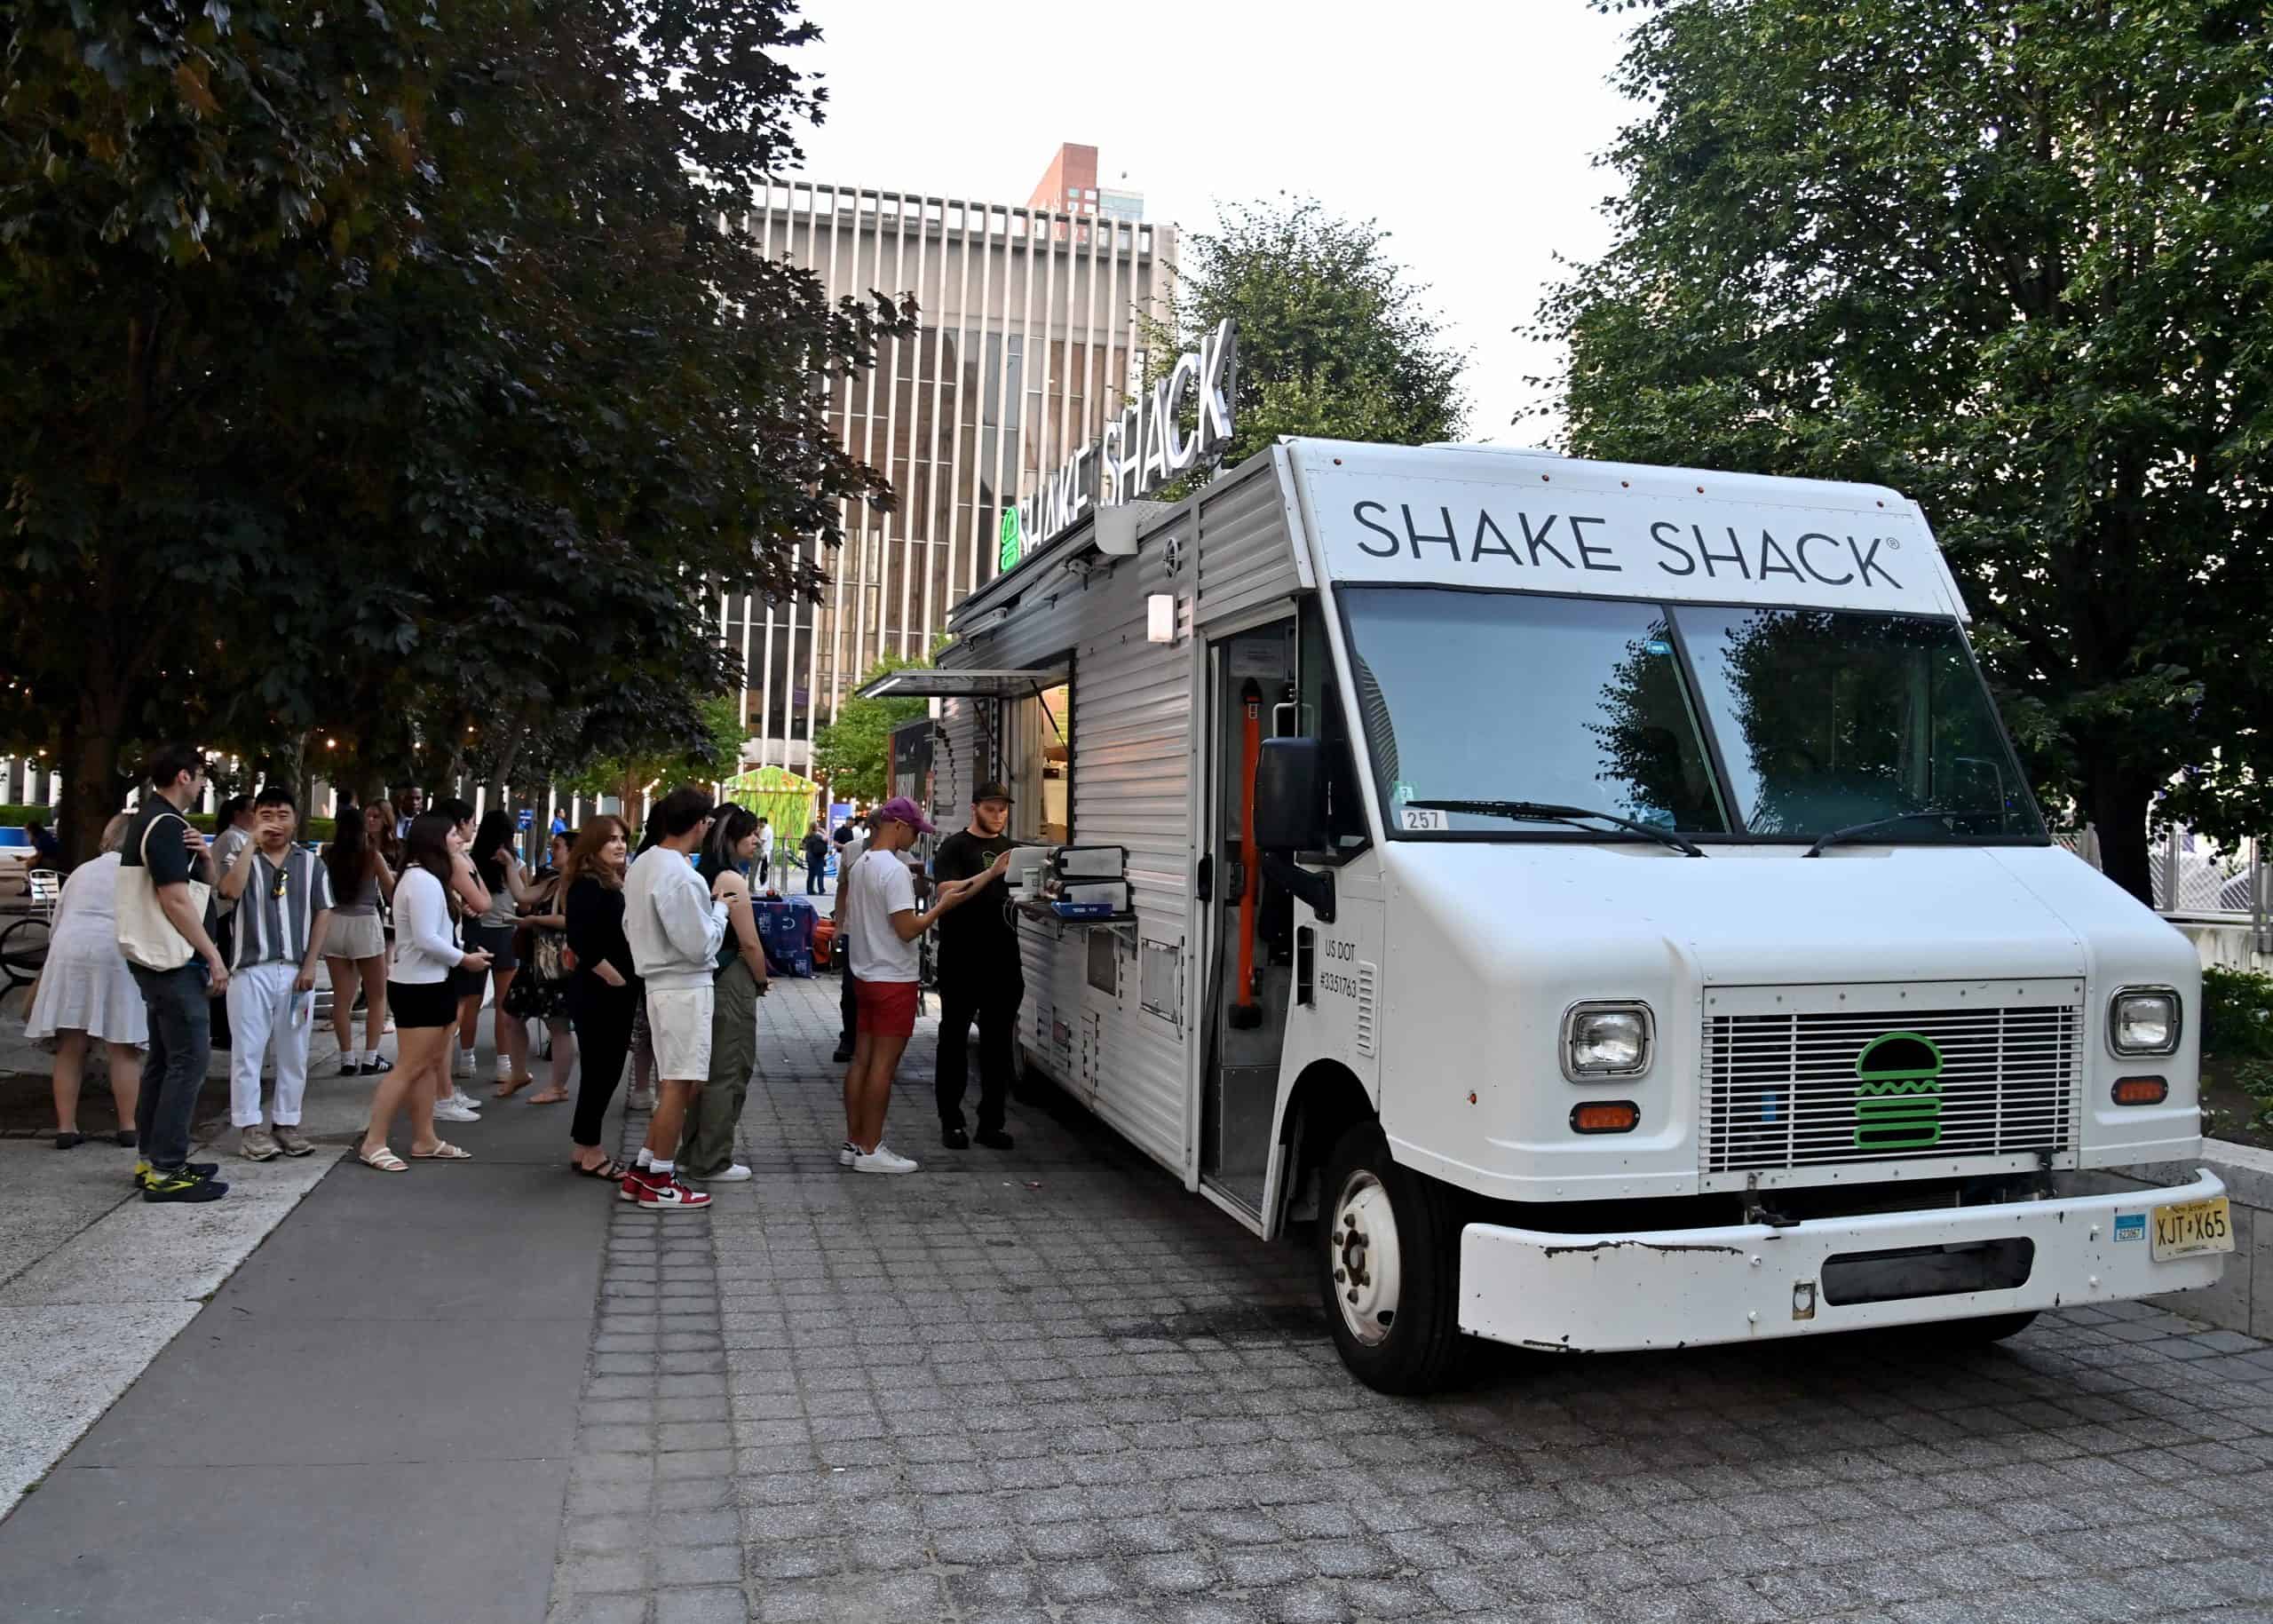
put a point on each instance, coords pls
(673, 926)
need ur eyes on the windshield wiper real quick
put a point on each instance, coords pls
(1833, 836)
(1539, 812)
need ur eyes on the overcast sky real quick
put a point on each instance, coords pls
(1466, 130)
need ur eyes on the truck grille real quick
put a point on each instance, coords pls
(1812, 1088)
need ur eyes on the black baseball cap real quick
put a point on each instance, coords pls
(993, 790)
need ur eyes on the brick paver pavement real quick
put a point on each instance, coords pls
(1051, 1385)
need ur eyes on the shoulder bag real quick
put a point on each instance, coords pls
(146, 936)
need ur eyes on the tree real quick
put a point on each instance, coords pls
(1333, 340)
(406, 374)
(853, 753)
(2012, 257)
(710, 756)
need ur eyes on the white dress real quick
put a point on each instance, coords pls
(85, 984)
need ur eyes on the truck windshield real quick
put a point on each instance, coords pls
(1823, 720)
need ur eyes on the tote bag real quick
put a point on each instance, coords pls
(146, 936)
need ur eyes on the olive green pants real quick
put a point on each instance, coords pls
(706, 1144)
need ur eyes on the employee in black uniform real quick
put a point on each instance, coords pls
(980, 977)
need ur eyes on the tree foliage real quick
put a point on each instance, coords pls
(853, 754)
(1334, 339)
(402, 375)
(659, 760)
(2013, 257)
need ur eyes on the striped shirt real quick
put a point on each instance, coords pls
(278, 907)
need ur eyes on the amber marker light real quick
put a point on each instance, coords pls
(1606, 1116)
(2140, 1090)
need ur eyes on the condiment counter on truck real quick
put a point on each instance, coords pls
(1594, 906)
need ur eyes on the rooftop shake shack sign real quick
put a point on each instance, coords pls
(1143, 449)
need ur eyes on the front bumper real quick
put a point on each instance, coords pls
(1746, 1282)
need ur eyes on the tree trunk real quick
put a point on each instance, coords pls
(2117, 804)
(90, 768)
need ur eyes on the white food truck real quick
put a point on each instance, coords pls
(1594, 906)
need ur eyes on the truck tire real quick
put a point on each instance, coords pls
(1389, 1267)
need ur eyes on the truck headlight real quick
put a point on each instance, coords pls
(1606, 1040)
(2144, 1020)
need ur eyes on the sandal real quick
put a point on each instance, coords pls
(383, 1160)
(608, 1168)
(443, 1151)
(548, 1098)
(506, 1090)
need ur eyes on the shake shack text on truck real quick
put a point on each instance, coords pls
(1592, 906)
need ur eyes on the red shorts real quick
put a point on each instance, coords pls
(886, 1007)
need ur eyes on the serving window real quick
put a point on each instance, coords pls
(1038, 762)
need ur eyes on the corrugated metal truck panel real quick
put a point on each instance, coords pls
(1132, 744)
(1245, 557)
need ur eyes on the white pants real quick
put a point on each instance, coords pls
(260, 1006)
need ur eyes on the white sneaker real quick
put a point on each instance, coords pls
(882, 1160)
(847, 1154)
(461, 1063)
(733, 1175)
(454, 1110)
(640, 1099)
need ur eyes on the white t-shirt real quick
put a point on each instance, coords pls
(879, 887)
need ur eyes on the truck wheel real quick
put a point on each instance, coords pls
(1389, 1267)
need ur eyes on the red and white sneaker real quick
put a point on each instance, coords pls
(669, 1195)
(634, 1186)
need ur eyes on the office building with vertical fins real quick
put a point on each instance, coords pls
(1030, 339)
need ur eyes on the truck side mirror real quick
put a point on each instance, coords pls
(1290, 795)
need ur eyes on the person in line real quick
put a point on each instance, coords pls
(603, 988)
(508, 886)
(232, 834)
(378, 834)
(86, 994)
(706, 1147)
(816, 851)
(469, 899)
(765, 856)
(356, 948)
(851, 840)
(880, 925)
(642, 1097)
(408, 802)
(160, 912)
(540, 991)
(283, 893)
(980, 976)
(426, 953)
(675, 929)
(47, 850)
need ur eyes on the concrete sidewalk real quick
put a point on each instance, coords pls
(94, 1283)
(371, 1420)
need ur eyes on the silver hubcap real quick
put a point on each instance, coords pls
(1367, 1268)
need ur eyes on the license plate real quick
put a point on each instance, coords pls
(2183, 1228)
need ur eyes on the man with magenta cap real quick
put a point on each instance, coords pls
(880, 928)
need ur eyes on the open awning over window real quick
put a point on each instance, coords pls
(925, 682)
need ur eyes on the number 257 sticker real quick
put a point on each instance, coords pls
(1422, 818)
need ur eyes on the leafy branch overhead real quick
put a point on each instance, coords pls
(399, 374)
(2012, 259)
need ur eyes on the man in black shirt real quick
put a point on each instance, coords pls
(980, 976)
(161, 930)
